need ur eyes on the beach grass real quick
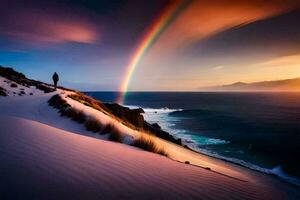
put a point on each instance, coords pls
(93, 125)
(147, 143)
(114, 134)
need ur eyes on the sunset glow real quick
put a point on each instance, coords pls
(180, 45)
(150, 99)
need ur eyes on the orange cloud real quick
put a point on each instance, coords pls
(203, 18)
(34, 27)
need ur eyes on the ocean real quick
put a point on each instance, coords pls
(260, 131)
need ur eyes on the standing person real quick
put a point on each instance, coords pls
(55, 78)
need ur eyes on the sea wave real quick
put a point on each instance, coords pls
(276, 171)
(164, 117)
(155, 110)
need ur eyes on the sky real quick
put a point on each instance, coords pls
(90, 44)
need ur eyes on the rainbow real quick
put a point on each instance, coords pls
(158, 26)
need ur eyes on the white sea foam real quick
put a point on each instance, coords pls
(276, 171)
(167, 122)
(154, 110)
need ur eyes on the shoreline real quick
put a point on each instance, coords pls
(35, 140)
(253, 179)
(281, 175)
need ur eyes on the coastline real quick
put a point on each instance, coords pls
(276, 171)
(256, 181)
(36, 142)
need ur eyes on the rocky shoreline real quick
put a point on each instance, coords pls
(135, 117)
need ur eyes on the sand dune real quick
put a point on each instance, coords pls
(36, 109)
(41, 162)
(45, 156)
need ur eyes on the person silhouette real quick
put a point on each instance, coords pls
(55, 78)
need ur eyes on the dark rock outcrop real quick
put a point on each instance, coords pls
(156, 130)
(133, 116)
(156, 125)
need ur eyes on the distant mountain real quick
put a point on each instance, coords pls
(278, 85)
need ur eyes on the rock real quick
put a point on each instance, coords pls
(161, 133)
(140, 110)
(187, 162)
(132, 116)
(156, 125)
(179, 141)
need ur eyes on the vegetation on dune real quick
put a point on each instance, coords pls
(147, 143)
(88, 101)
(114, 134)
(21, 79)
(129, 117)
(13, 85)
(74, 114)
(93, 125)
(107, 129)
(45, 88)
(65, 109)
(57, 102)
(77, 116)
(2, 92)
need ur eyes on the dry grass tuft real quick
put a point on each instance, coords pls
(13, 85)
(79, 116)
(107, 129)
(93, 125)
(58, 102)
(72, 113)
(88, 101)
(44, 87)
(114, 134)
(147, 143)
(2, 92)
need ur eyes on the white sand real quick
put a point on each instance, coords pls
(42, 162)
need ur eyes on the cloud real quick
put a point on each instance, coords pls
(203, 18)
(252, 43)
(218, 67)
(284, 62)
(37, 26)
